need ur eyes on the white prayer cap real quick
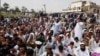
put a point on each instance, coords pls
(40, 25)
(61, 35)
(68, 30)
(81, 23)
(11, 36)
(14, 28)
(90, 30)
(38, 42)
(36, 33)
(32, 34)
(83, 30)
(82, 43)
(48, 47)
(67, 34)
(56, 17)
(16, 47)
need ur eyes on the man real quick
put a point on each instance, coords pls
(48, 51)
(79, 28)
(48, 24)
(41, 37)
(58, 41)
(8, 33)
(56, 27)
(94, 44)
(39, 48)
(70, 49)
(50, 38)
(22, 50)
(31, 39)
(76, 42)
(68, 39)
(60, 51)
(82, 50)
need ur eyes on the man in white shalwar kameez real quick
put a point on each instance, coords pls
(48, 51)
(56, 27)
(94, 44)
(78, 29)
(82, 50)
(61, 52)
(39, 49)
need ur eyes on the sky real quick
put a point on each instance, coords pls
(51, 5)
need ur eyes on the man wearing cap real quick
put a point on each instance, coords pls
(39, 48)
(60, 51)
(78, 29)
(56, 26)
(82, 50)
(68, 39)
(58, 41)
(71, 48)
(48, 51)
(94, 44)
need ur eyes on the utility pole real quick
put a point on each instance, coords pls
(0, 4)
(44, 5)
(89, 5)
(42, 9)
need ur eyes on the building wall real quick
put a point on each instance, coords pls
(92, 9)
(80, 6)
(74, 7)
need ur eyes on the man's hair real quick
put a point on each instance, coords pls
(80, 19)
(30, 52)
(71, 43)
(76, 38)
(60, 47)
(23, 45)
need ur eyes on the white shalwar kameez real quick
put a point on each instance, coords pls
(78, 30)
(56, 28)
(78, 52)
(64, 53)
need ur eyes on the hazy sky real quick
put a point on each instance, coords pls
(51, 5)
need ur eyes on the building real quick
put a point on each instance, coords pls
(83, 6)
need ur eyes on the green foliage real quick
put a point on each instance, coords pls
(1, 9)
(14, 12)
(6, 6)
(17, 9)
(24, 9)
(32, 10)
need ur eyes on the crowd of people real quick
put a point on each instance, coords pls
(75, 35)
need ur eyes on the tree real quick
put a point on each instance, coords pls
(6, 6)
(24, 9)
(17, 9)
(12, 10)
(32, 10)
(1, 9)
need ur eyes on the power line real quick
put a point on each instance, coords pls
(0, 3)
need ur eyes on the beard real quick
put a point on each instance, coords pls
(83, 49)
